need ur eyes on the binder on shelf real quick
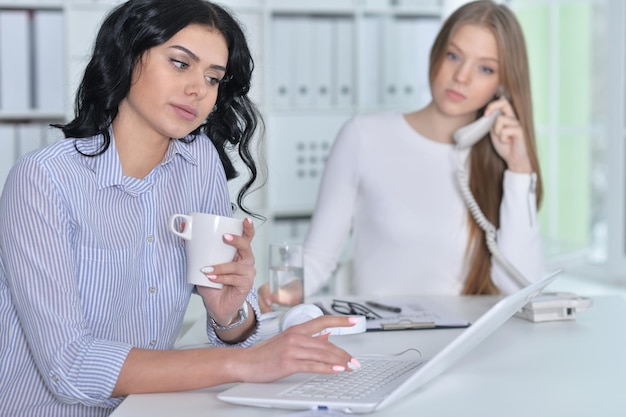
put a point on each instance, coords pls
(407, 61)
(425, 34)
(49, 71)
(302, 61)
(15, 63)
(9, 153)
(393, 60)
(370, 61)
(253, 29)
(283, 42)
(344, 61)
(322, 61)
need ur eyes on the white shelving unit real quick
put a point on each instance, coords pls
(326, 61)
(317, 63)
(32, 70)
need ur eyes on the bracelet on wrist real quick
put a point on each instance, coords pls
(242, 317)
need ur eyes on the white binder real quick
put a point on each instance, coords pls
(392, 58)
(302, 61)
(344, 61)
(253, 28)
(370, 61)
(49, 60)
(407, 62)
(322, 61)
(282, 55)
(15, 65)
(426, 32)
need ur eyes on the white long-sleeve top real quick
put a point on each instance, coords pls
(397, 191)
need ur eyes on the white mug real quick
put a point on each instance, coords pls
(205, 244)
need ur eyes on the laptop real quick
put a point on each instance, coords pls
(306, 391)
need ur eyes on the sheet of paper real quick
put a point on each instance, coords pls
(416, 313)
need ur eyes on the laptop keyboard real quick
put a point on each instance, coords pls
(376, 375)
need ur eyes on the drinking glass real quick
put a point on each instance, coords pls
(286, 279)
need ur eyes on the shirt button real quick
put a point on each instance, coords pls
(152, 342)
(55, 378)
(152, 290)
(150, 238)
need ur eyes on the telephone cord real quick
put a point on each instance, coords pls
(487, 227)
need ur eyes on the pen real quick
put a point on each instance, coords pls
(383, 306)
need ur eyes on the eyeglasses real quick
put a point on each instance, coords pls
(349, 307)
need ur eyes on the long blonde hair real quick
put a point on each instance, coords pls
(486, 167)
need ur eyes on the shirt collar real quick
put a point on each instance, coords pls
(178, 147)
(108, 168)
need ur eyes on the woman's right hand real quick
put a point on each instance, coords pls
(296, 350)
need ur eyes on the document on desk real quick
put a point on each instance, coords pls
(399, 313)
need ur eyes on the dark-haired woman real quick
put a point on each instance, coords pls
(92, 285)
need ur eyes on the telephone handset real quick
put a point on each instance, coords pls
(464, 138)
(467, 136)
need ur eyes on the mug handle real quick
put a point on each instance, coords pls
(185, 234)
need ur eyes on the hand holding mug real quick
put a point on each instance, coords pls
(237, 278)
(220, 262)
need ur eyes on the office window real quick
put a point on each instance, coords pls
(569, 50)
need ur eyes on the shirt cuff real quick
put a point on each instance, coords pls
(93, 376)
(253, 300)
(519, 181)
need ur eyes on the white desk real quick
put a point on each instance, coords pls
(569, 368)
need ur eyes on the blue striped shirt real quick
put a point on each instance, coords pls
(88, 270)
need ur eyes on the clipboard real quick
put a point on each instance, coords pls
(415, 313)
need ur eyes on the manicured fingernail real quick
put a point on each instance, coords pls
(206, 269)
(249, 220)
(228, 237)
(212, 277)
(339, 368)
(354, 364)
(353, 320)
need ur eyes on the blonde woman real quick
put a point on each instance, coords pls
(391, 177)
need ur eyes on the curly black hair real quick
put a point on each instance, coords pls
(134, 27)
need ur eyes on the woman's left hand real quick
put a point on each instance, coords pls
(237, 277)
(508, 138)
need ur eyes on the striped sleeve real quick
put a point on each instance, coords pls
(41, 274)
